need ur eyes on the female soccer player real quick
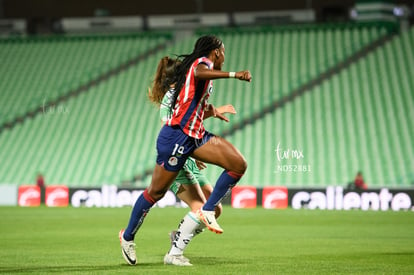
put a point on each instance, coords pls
(184, 135)
(191, 186)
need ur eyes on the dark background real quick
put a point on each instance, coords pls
(43, 16)
(77, 8)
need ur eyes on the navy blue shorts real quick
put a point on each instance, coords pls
(174, 147)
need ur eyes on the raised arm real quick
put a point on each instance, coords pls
(204, 73)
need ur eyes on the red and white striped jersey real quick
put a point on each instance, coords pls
(189, 108)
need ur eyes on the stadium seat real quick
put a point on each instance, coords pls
(357, 120)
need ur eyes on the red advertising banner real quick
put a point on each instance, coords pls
(57, 196)
(29, 195)
(275, 197)
(244, 197)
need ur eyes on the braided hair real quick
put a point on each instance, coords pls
(203, 46)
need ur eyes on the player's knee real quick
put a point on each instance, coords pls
(244, 165)
(241, 166)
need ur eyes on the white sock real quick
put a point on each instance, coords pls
(199, 229)
(189, 227)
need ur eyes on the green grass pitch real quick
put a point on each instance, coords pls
(255, 241)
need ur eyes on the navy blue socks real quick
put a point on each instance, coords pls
(225, 182)
(141, 208)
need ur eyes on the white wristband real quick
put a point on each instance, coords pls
(232, 74)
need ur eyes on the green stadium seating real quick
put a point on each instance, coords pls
(39, 70)
(357, 120)
(282, 61)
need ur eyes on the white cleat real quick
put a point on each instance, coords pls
(178, 260)
(128, 249)
(209, 219)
